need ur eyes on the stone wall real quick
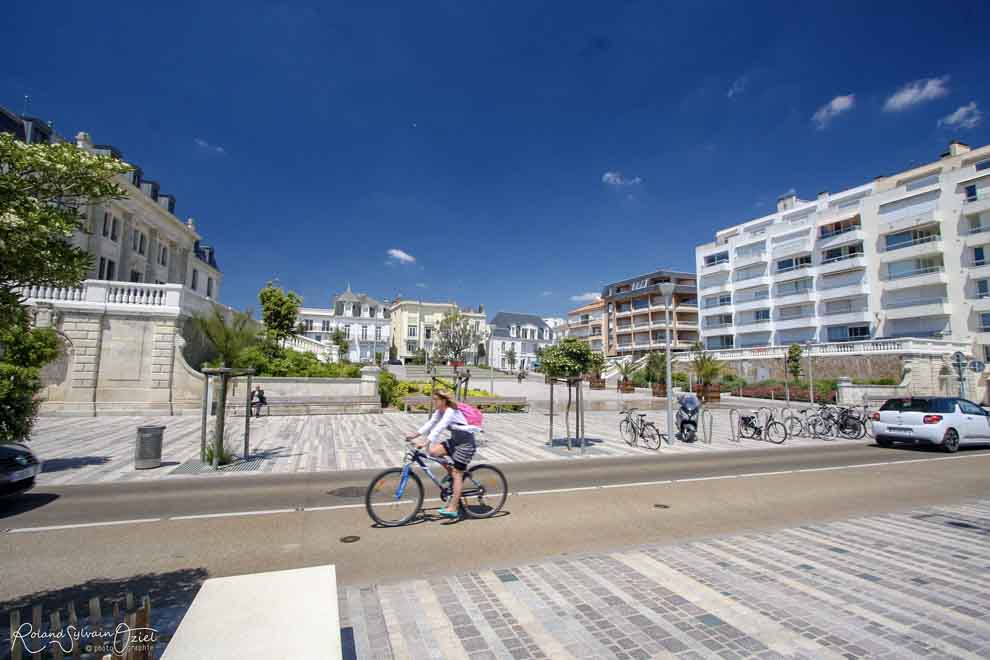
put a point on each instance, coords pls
(851, 366)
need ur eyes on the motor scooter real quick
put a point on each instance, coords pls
(688, 412)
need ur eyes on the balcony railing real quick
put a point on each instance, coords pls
(914, 302)
(841, 257)
(713, 326)
(979, 229)
(917, 241)
(756, 296)
(742, 277)
(822, 235)
(163, 298)
(717, 303)
(753, 321)
(917, 271)
(789, 269)
(845, 310)
(792, 316)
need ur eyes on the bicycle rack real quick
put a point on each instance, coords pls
(734, 425)
(706, 421)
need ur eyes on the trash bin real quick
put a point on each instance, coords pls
(148, 449)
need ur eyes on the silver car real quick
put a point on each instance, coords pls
(947, 422)
(18, 468)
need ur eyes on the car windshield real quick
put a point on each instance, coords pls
(920, 405)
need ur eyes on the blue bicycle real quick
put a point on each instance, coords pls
(395, 497)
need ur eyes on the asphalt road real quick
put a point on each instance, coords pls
(274, 522)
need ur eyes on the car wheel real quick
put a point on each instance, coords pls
(883, 442)
(950, 442)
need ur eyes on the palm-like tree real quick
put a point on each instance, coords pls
(627, 370)
(228, 336)
(656, 366)
(706, 368)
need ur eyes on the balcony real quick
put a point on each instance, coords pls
(720, 267)
(716, 304)
(804, 321)
(754, 302)
(843, 291)
(715, 287)
(981, 302)
(106, 295)
(796, 246)
(717, 329)
(752, 281)
(752, 325)
(917, 307)
(793, 272)
(976, 206)
(918, 247)
(909, 221)
(845, 262)
(833, 215)
(979, 235)
(919, 277)
(794, 297)
(750, 259)
(846, 318)
(841, 237)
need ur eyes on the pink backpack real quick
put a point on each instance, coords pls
(471, 414)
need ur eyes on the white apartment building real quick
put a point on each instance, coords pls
(414, 323)
(516, 338)
(906, 255)
(365, 322)
(587, 323)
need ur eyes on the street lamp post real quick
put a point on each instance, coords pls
(811, 372)
(667, 289)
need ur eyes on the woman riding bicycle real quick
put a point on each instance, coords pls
(460, 447)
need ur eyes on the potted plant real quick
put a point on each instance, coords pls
(626, 371)
(595, 380)
(707, 370)
(656, 372)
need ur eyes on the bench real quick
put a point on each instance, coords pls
(314, 405)
(481, 402)
(280, 614)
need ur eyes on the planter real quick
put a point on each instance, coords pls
(659, 390)
(712, 392)
(626, 388)
(596, 383)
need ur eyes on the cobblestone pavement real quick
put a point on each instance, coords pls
(893, 586)
(101, 449)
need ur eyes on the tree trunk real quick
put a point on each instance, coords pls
(567, 415)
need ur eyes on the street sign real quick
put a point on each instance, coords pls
(959, 361)
(977, 367)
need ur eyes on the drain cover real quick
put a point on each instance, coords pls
(661, 506)
(347, 491)
(350, 539)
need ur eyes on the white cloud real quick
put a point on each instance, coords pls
(915, 92)
(615, 178)
(968, 116)
(206, 146)
(399, 256)
(738, 86)
(586, 297)
(421, 285)
(547, 293)
(832, 109)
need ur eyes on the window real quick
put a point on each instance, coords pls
(837, 228)
(985, 322)
(106, 225)
(364, 333)
(325, 325)
(639, 284)
(411, 332)
(308, 325)
(848, 333)
(209, 287)
(111, 269)
(913, 237)
(428, 332)
(163, 256)
(970, 193)
(793, 263)
(762, 315)
(410, 347)
(114, 227)
(720, 258)
(134, 240)
(983, 288)
(922, 182)
(378, 333)
(983, 165)
(503, 346)
(103, 269)
(141, 245)
(347, 332)
(195, 279)
(844, 252)
(135, 276)
(979, 257)
(969, 408)
(859, 332)
(318, 337)
(794, 286)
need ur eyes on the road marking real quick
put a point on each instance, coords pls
(202, 516)
(633, 484)
(109, 523)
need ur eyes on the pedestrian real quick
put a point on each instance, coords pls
(258, 399)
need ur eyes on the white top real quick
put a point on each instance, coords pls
(452, 418)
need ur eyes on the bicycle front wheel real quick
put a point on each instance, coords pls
(484, 492)
(776, 433)
(651, 436)
(392, 503)
(628, 432)
(795, 427)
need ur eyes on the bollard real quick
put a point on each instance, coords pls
(707, 423)
(733, 424)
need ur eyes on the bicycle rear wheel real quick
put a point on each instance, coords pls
(776, 433)
(628, 432)
(651, 436)
(484, 492)
(795, 427)
(389, 507)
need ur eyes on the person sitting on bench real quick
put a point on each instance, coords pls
(257, 400)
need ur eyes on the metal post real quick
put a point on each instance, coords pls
(580, 413)
(811, 377)
(247, 420)
(207, 379)
(221, 415)
(550, 439)
(670, 393)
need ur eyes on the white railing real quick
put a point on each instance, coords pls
(910, 345)
(305, 344)
(842, 257)
(103, 294)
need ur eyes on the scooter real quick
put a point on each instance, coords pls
(687, 417)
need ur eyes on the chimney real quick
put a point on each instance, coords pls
(823, 199)
(956, 147)
(787, 201)
(83, 141)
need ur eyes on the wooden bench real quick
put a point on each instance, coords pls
(497, 402)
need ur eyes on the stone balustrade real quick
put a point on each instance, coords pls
(103, 295)
(907, 345)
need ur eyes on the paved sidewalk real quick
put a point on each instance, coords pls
(101, 449)
(893, 586)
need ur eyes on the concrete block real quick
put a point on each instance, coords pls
(262, 615)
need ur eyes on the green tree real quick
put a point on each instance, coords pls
(794, 361)
(229, 337)
(627, 370)
(706, 368)
(510, 357)
(279, 312)
(656, 367)
(44, 191)
(454, 336)
(571, 358)
(339, 339)
(481, 354)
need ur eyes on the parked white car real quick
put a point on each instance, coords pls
(944, 421)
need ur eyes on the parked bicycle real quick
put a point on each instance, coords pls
(832, 421)
(395, 496)
(634, 429)
(762, 426)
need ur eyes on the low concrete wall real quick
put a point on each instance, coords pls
(286, 388)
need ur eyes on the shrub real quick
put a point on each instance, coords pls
(732, 382)
(23, 351)
(680, 380)
(387, 384)
(226, 456)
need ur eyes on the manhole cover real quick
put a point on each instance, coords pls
(350, 539)
(661, 506)
(347, 491)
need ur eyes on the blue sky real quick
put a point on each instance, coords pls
(515, 154)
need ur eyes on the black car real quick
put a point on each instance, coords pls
(18, 468)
